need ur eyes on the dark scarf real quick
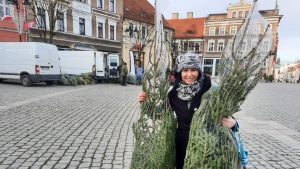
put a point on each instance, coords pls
(186, 92)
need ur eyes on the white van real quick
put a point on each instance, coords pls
(101, 64)
(29, 62)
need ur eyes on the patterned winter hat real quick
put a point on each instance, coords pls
(189, 60)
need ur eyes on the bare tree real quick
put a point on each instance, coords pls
(140, 37)
(46, 14)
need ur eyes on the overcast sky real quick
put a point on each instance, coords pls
(289, 26)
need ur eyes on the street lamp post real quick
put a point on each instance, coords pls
(16, 2)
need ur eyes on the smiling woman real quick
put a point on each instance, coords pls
(189, 75)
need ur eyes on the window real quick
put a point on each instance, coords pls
(166, 36)
(130, 30)
(144, 32)
(84, 1)
(208, 66)
(60, 22)
(233, 14)
(100, 30)
(212, 31)
(222, 31)
(112, 5)
(220, 45)
(256, 29)
(100, 4)
(270, 28)
(41, 18)
(233, 30)
(229, 45)
(112, 32)
(246, 13)
(4, 8)
(211, 45)
(244, 46)
(253, 44)
(243, 29)
(241, 14)
(185, 46)
(265, 45)
(81, 26)
(197, 47)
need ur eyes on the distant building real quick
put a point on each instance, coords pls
(8, 29)
(90, 25)
(188, 35)
(220, 28)
(138, 23)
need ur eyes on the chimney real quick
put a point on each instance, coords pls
(190, 15)
(175, 15)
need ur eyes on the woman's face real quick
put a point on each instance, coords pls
(189, 75)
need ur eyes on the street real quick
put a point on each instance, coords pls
(91, 126)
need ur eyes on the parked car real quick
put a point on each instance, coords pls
(29, 62)
(103, 65)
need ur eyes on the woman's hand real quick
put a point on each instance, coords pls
(228, 122)
(142, 96)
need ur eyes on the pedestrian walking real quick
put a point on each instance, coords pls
(189, 86)
(124, 72)
(139, 74)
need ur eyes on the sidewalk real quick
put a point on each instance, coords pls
(270, 144)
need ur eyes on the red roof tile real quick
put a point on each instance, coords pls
(141, 10)
(188, 28)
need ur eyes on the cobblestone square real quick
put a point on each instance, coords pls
(91, 126)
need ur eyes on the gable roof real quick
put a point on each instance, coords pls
(188, 28)
(142, 11)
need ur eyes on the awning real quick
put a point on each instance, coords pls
(83, 47)
(108, 51)
(65, 48)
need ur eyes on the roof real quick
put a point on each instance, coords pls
(188, 28)
(277, 66)
(142, 11)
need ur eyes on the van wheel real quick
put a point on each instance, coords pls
(49, 82)
(26, 81)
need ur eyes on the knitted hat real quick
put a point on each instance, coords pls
(189, 60)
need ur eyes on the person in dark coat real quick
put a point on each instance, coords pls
(185, 98)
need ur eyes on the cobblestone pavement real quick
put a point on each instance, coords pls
(273, 139)
(88, 128)
(91, 126)
(279, 102)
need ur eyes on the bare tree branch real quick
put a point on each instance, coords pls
(46, 13)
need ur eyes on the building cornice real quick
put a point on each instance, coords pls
(104, 13)
(84, 36)
(36, 36)
(11, 30)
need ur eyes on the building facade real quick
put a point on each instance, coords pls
(138, 32)
(220, 28)
(188, 35)
(89, 25)
(8, 29)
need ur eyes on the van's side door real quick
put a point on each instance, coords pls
(113, 63)
(99, 64)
